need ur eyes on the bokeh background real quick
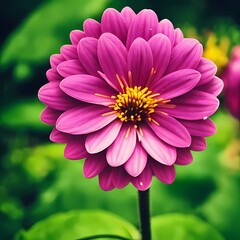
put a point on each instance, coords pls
(36, 180)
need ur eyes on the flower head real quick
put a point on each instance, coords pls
(132, 96)
(231, 78)
(217, 52)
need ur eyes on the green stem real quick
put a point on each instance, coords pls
(144, 211)
(108, 236)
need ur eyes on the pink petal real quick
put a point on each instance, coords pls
(214, 87)
(144, 180)
(100, 140)
(113, 22)
(86, 87)
(176, 83)
(105, 179)
(75, 149)
(50, 116)
(92, 28)
(84, 119)
(51, 95)
(137, 162)
(166, 174)
(55, 60)
(70, 67)
(184, 156)
(112, 56)
(52, 75)
(207, 69)
(166, 28)
(156, 148)
(94, 164)
(120, 178)
(58, 137)
(202, 128)
(194, 105)
(198, 144)
(186, 54)
(170, 131)
(140, 62)
(128, 15)
(144, 25)
(123, 146)
(161, 51)
(178, 36)
(69, 52)
(76, 36)
(87, 52)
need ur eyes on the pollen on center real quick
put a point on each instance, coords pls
(136, 104)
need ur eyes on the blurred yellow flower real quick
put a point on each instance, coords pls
(217, 52)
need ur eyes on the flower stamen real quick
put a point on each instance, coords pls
(136, 104)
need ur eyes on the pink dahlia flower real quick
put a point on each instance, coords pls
(231, 78)
(132, 97)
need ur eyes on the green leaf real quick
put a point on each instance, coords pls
(182, 227)
(47, 28)
(78, 224)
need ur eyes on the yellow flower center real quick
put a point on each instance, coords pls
(136, 104)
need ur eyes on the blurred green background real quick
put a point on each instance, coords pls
(36, 180)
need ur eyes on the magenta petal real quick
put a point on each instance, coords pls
(156, 148)
(56, 59)
(75, 149)
(170, 131)
(176, 83)
(50, 116)
(194, 105)
(137, 162)
(202, 128)
(94, 164)
(140, 62)
(128, 15)
(87, 52)
(105, 179)
(51, 95)
(166, 28)
(120, 178)
(70, 67)
(112, 56)
(144, 180)
(186, 54)
(184, 156)
(198, 144)
(100, 140)
(69, 52)
(76, 36)
(166, 174)
(214, 87)
(92, 28)
(161, 51)
(207, 69)
(59, 137)
(52, 75)
(123, 146)
(84, 119)
(178, 36)
(144, 25)
(86, 87)
(113, 22)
